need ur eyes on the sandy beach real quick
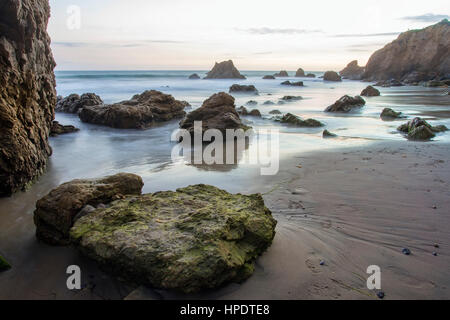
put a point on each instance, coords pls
(350, 208)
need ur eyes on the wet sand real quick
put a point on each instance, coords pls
(351, 208)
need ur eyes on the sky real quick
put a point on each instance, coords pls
(316, 35)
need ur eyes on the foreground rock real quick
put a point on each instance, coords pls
(419, 129)
(4, 265)
(58, 129)
(370, 92)
(328, 134)
(269, 77)
(292, 119)
(55, 213)
(352, 71)
(346, 104)
(141, 112)
(74, 103)
(300, 73)
(331, 76)
(294, 84)
(217, 112)
(388, 114)
(27, 92)
(224, 70)
(416, 55)
(237, 88)
(282, 73)
(194, 76)
(199, 237)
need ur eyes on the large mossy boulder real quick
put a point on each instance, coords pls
(198, 237)
(419, 129)
(55, 213)
(346, 104)
(141, 112)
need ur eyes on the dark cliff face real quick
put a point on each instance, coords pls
(415, 55)
(27, 92)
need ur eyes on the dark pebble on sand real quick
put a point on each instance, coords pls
(380, 294)
(322, 263)
(435, 207)
(435, 254)
(406, 251)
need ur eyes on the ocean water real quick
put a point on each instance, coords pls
(97, 151)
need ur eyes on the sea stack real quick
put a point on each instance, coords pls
(352, 71)
(224, 70)
(331, 76)
(416, 55)
(27, 92)
(300, 73)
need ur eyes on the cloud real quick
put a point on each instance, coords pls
(368, 47)
(428, 17)
(365, 35)
(288, 31)
(68, 44)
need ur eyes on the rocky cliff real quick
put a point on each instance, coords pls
(416, 55)
(27, 92)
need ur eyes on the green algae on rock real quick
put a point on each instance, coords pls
(198, 237)
(419, 129)
(4, 265)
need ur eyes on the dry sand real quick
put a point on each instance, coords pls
(350, 208)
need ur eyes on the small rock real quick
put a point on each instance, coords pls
(194, 76)
(328, 134)
(380, 294)
(435, 254)
(268, 77)
(406, 251)
(434, 207)
(436, 245)
(322, 262)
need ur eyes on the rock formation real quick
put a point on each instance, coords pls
(236, 88)
(55, 213)
(142, 111)
(370, 92)
(217, 112)
(300, 73)
(294, 84)
(328, 134)
(388, 114)
(416, 55)
(199, 237)
(292, 119)
(269, 77)
(331, 76)
(27, 92)
(58, 129)
(282, 73)
(194, 76)
(224, 70)
(346, 104)
(389, 83)
(419, 129)
(244, 112)
(310, 75)
(352, 71)
(251, 103)
(74, 103)
(275, 112)
(291, 98)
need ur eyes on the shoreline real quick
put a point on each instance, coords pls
(350, 207)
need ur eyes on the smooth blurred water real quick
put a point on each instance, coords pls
(96, 150)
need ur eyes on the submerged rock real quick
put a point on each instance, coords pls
(292, 119)
(199, 237)
(58, 129)
(282, 73)
(331, 76)
(224, 70)
(310, 75)
(388, 113)
(423, 53)
(300, 73)
(370, 92)
(269, 77)
(252, 103)
(217, 112)
(27, 92)
(55, 213)
(194, 76)
(255, 113)
(142, 111)
(291, 98)
(294, 84)
(243, 88)
(268, 103)
(328, 134)
(4, 265)
(352, 71)
(275, 112)
(346, 104)
(74, 103)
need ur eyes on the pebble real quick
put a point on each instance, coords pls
(435, 207)
(406, 251)
(436, 245)
(380, 294)
(322, 263)
(435, 254)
